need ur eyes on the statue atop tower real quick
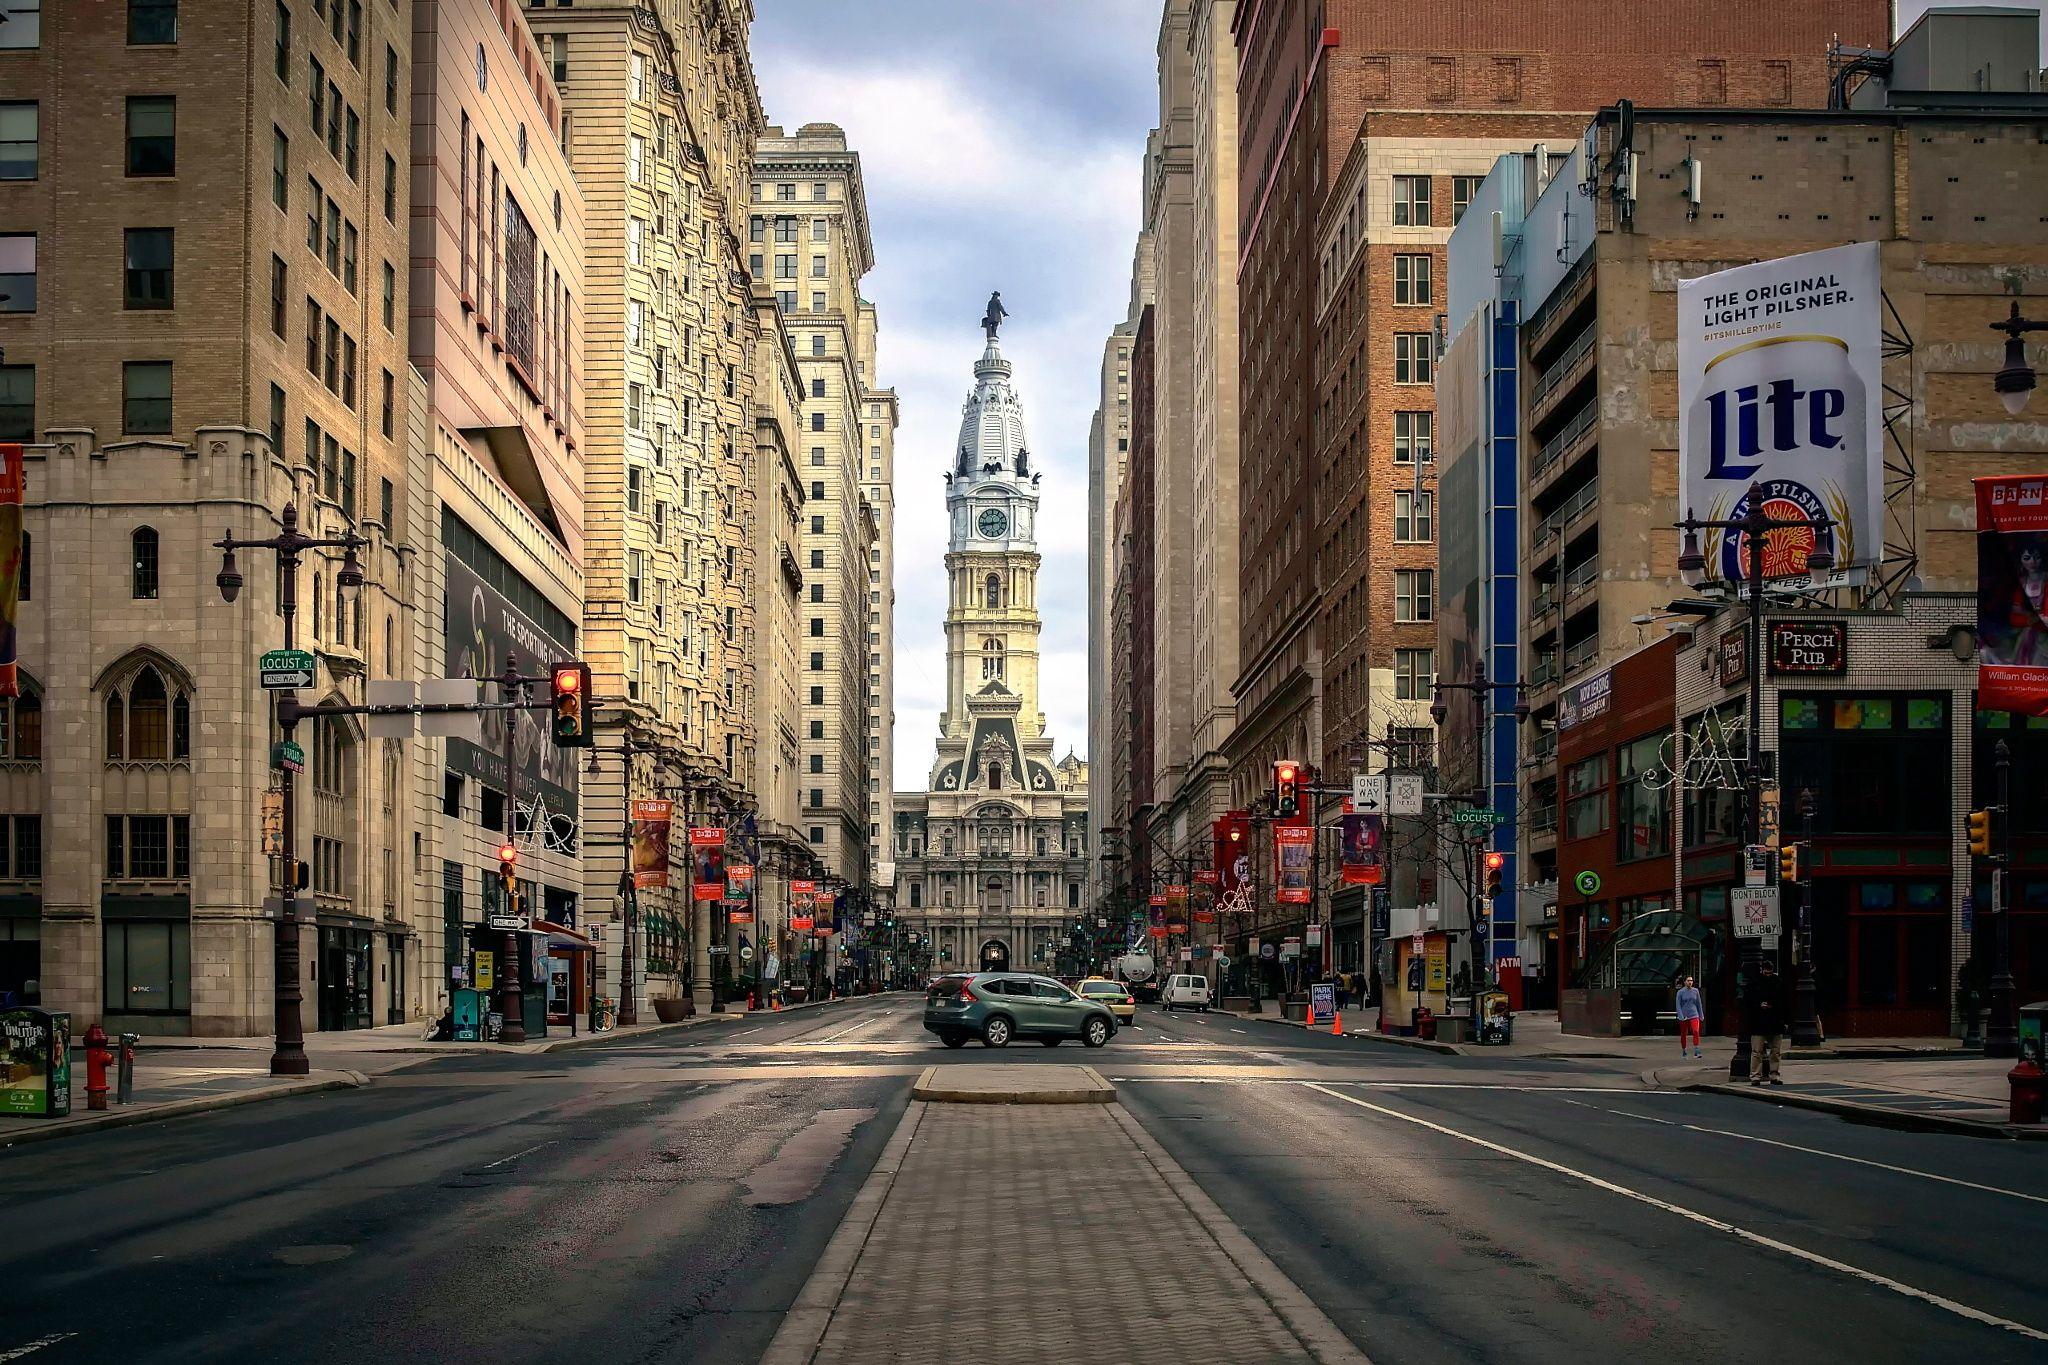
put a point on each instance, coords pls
(993, 318)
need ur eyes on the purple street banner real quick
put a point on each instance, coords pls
(2012, 594)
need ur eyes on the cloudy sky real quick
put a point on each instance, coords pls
(1002, 145)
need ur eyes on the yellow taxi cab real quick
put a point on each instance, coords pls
(1115, 994)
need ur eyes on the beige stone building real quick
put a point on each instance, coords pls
(217, 337)
(494, 502)
(808, 243)
(662, 114)
(879, 415)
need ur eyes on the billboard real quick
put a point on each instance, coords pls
(2012, 594)
(482, 628)
(1780, 390)
(651, 823)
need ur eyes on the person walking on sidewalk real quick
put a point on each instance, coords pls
(1766, 1024)
(1691, 1015)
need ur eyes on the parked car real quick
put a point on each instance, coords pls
(999, 1006)
(1114, 994)
(1185, 992)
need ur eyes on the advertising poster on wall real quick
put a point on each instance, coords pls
(651, 823)
(1780, 390)
(2012, 594)
(483, 628)
(1292, 845)
(707, 863)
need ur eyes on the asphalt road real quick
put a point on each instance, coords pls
(665, 1198)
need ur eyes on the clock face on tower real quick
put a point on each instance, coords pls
(993, 523)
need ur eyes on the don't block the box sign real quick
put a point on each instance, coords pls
(1809, 648)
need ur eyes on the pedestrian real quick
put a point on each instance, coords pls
(1766, 1025)
(1343, 980)
(1691, 1015)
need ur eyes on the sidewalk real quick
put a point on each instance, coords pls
(1966, 1094)
(177, 1076)
(1000, 1232)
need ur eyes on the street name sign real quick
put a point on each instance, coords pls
(288, 755)
(1477, 815)
(284, 670)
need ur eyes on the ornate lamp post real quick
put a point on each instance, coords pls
(289, 1055)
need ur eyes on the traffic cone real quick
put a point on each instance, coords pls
(775, 1004)
(1336, 1023)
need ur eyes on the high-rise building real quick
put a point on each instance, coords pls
(993, 854)
(878, 488)
(1109, 448)
(202, 308)
(494, 504)
(808, 242)
(660, 121)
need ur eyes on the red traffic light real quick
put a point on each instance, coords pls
(1286, 772)
(507, 852)
(1496, 861)
(569, 678)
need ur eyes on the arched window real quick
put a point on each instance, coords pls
(994, 590)
(995, 777)
(991, 659)
(148, 718)
(21, 726)
(390, 634)
(143, 578)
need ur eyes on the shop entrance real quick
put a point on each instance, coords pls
(995, 956)
(344, 979)
(1881, 956)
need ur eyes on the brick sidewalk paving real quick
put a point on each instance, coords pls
(1043, 1233)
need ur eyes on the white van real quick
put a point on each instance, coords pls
(1185, 990)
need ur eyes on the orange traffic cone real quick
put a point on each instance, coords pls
(1336, 1023)
(775, 1004)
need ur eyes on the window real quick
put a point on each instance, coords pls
(390, 80)
(1411, 201)
(817, 387)
(281, 53)
(146, 397)
(1412, 431)
(817, 421)
(278, 281)
(355, 31)
(1411, 279)
(817, 303)
(561, 57)
(817, 267)
(636, 397)
(148, 721)
(142, 578)
(992, 591)
(147, 282)
(636, 324)
(277, 419)
(1414, 355)
(1414, 595)
(152, 134)
(817, 490)
(1585, 790)
(390, 296)
(152, 22)
(390, 189)
(18, 140)
(1463, 187)
(1642, 805)
(785, 194)
(390, 405)
(18, 410)
(1412, 516)
(353, 145)
(1713, 803)
(636, 159)
(637, 80)
(636, 241)
(1414, 671)
(18, 272)
(1878, 763)
(636, 564)
(633, 485)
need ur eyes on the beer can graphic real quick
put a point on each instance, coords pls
(1780, 373)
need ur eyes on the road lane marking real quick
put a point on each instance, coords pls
(38, 1344)
(1241, 1030)
(1899, 1287)
(859, 1024)
(516, 1155)
(1668, 1123)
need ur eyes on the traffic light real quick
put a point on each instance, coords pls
(1494, 863)
(1286, 788)
(508, 875)
(569, 699)
(1792, 863)
(1980, 832)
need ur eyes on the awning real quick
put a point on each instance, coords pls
(562, 936)
(1654, 948)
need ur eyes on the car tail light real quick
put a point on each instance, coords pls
(967, 995)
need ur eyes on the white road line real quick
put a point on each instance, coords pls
(741, 1033)
(38, 1344)
(516, 1155)
(842, 1032)
(1408, 1085)
(1961, 1310)
(1240, 1030)
(1668, 1123)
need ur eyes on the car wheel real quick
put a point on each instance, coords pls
(954, 1040)
(996, 1032)
(1050, 1042)
(1095, 1032)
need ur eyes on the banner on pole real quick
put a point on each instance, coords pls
(1292, 845)
(651, 823)
(1780, 388)
(2012, 594)
(13, 488)
(707, 861)
(739, 883)
(1364, 836)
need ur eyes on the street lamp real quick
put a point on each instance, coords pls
(288, 1058)
(1754, 526)
(2014, 382)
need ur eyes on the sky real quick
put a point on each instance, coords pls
(1002, 144)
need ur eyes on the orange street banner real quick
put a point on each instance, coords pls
(1292, 845)
(739, 883)
(651, 823)
(13, 487)
(707, 862)
(801, 924)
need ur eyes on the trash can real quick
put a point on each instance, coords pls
(2033, 1024)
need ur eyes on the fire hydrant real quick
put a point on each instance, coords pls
(2027, 1081)
(96, 1058)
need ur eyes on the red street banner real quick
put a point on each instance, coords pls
(13, 487)
(707, 858)
(1363, 835)
(824, 931)
(1177, 894)
(1233, 839)
(1208, 876)
(2012, 594)
(739, 917)
(1158, 931)
(802, 894)
(1292, 845)
(651, 823)
(1176, 927)
(1158, 898)
(800, 924)
(739, 882)
(1205, 916)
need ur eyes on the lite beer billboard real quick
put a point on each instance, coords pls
(1780, 390)
(2012, 594)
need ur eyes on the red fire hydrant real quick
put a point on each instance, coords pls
(96, 1058)
(2027, 1081)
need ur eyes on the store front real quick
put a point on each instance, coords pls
(21, 951)
(146, 964)
(344, 978)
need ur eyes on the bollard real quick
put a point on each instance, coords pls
(96, 1059)
(2026, 1081)
(125, 1074)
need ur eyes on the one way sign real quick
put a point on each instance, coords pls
(1369, 793)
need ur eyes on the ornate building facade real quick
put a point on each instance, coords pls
(992, 859)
